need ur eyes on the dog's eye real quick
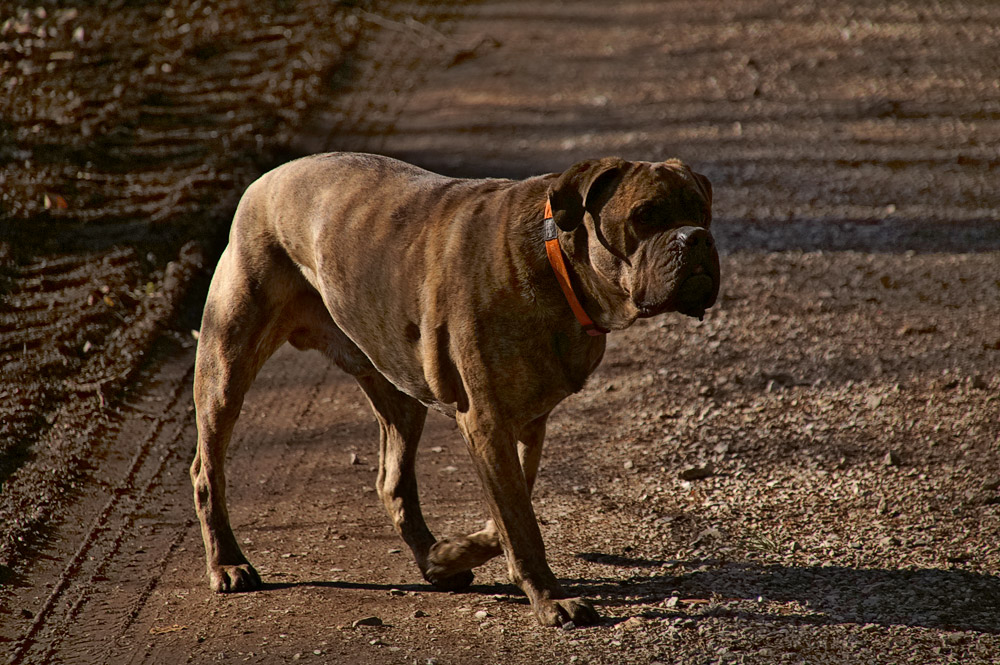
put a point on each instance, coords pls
(647, 216)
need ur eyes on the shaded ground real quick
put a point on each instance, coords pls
(128, 133)
(841, 400)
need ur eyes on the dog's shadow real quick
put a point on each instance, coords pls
(824, 595)
(947, 599)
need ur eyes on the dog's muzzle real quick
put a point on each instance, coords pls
(683, 275)
(699, 283)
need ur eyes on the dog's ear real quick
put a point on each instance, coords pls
(705, 186)
(585, 186)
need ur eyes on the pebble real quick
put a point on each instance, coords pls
(367, 621)
(892, 458)
(481, 615)
(633, 623)
(417, 614)
(355, 459)
(697, 472)
(706, 535)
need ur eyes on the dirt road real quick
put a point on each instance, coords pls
(811, 474)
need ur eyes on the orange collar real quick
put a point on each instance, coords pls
(554, 253)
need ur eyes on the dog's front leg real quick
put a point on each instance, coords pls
(494, 452)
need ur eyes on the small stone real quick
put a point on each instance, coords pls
(367, 621)
(892, 458)
(419, 614)
(633, 623)
(481, 615)
(697, 472)
(355, 459)
(671, 602)
(569, 625)
(628, 464)
(706, 535)
(992, 485)
(396, 592)
(26, 614)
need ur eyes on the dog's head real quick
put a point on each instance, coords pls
(643, 230)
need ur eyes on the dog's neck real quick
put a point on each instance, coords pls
(558, 264)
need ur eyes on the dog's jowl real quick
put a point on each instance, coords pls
(486, 299)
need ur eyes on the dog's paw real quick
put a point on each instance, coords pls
(454, 582)
(458, 553)
(229, 579)
(558, 612)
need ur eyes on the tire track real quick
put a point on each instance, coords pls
(107, 533)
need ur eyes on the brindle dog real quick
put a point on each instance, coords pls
(436, 291)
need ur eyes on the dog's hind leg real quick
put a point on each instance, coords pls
(459, 553)
(401, 421)
(241, 327)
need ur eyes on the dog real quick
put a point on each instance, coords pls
(488, 300)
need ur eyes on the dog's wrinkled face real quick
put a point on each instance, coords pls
(647, 227)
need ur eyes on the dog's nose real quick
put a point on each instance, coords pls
(694, 236)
